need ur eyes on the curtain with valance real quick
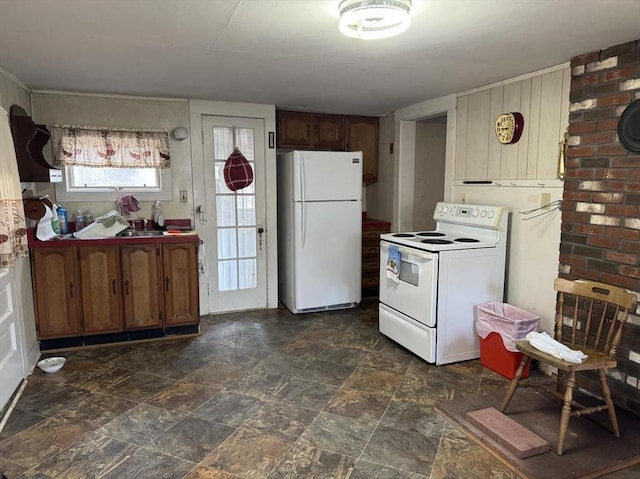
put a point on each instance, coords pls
(13, 232)
(113, 148)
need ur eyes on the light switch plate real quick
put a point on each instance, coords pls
(184, 197)
(545, 199)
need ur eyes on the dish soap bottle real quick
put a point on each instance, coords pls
(158, 215)
(63, 220)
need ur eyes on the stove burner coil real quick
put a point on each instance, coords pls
(436, 241)
(403, 235)
(429, 233)
(466, 240)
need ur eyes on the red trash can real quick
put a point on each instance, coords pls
(499, 326)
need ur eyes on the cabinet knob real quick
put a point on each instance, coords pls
(113, 286)
(71, 290)
(166, 283)
(126, 287)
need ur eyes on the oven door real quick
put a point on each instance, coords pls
(414, 293)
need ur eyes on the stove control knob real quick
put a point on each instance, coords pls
(475, 213)
(483, 214)
(440, 209)
(445, 210)
(491, 214)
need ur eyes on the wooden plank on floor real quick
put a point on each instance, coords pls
(517, 439)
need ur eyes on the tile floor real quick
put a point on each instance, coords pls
(262, 394)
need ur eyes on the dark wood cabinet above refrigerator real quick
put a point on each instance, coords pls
(319, 131)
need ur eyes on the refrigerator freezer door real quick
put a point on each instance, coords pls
(327, 250)
(327, 175)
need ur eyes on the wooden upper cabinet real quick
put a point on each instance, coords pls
(141, 285)
(329, 132)
(362, 135)
(295, 129)
(55, 279)
(318, 131)
(101, 295)
(310, 130)
(180, 268)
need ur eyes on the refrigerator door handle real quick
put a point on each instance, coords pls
(302, 179)
(303, 223)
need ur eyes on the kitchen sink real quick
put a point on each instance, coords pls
(138, 233)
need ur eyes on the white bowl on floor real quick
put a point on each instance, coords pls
(52, 365)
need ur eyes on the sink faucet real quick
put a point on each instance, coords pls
(145, 223)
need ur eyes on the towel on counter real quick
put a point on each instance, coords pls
(547, 344)
(105, 226)
(393, 263)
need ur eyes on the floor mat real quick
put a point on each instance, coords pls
(590, 450)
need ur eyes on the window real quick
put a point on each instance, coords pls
(100, 164)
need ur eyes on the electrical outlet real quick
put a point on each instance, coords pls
(184, 197)
(464, 198)
(545, 199)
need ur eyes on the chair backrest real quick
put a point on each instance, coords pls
(591, 315)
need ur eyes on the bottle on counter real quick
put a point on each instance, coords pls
(157, 215)
(63, 220)
(79, 220)
(55, 222)
(88, 217)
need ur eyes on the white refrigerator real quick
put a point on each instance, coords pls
(319, 230)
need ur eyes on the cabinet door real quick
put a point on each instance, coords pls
(101, 296)
(56, 292)
(329, 132)
(362, 135)
(180, 267)
(295, 129)
(141, 285)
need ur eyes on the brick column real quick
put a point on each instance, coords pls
(601, 208)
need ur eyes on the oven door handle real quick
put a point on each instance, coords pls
(408, 253)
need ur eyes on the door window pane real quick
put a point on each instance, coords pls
(248, 274)
(225, 206)
(227, 243)
(246, 210)
(227, 275)
(246, 242)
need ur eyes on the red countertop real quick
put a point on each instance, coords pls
(166, 238)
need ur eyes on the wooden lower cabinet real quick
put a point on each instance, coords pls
(371, 231)
(55, 285)
(90, 290)
(181, 302)
(141, 285)
(100, 287)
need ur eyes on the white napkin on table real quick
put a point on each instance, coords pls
(547, 344)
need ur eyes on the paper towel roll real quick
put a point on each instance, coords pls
(44, 230)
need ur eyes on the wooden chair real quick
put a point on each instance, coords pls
(590, 317)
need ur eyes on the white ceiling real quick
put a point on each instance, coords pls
(289, 53)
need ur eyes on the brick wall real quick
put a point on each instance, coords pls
(601, 208)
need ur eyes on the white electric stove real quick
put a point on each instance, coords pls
(427, 300)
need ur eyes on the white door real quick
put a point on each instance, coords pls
(232, 224)
(11, 371)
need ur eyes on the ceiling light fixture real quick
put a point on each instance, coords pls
(374, 19)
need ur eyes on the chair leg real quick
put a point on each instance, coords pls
(514, 384)
(606, 394)
(560, 381)
(566, 410)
